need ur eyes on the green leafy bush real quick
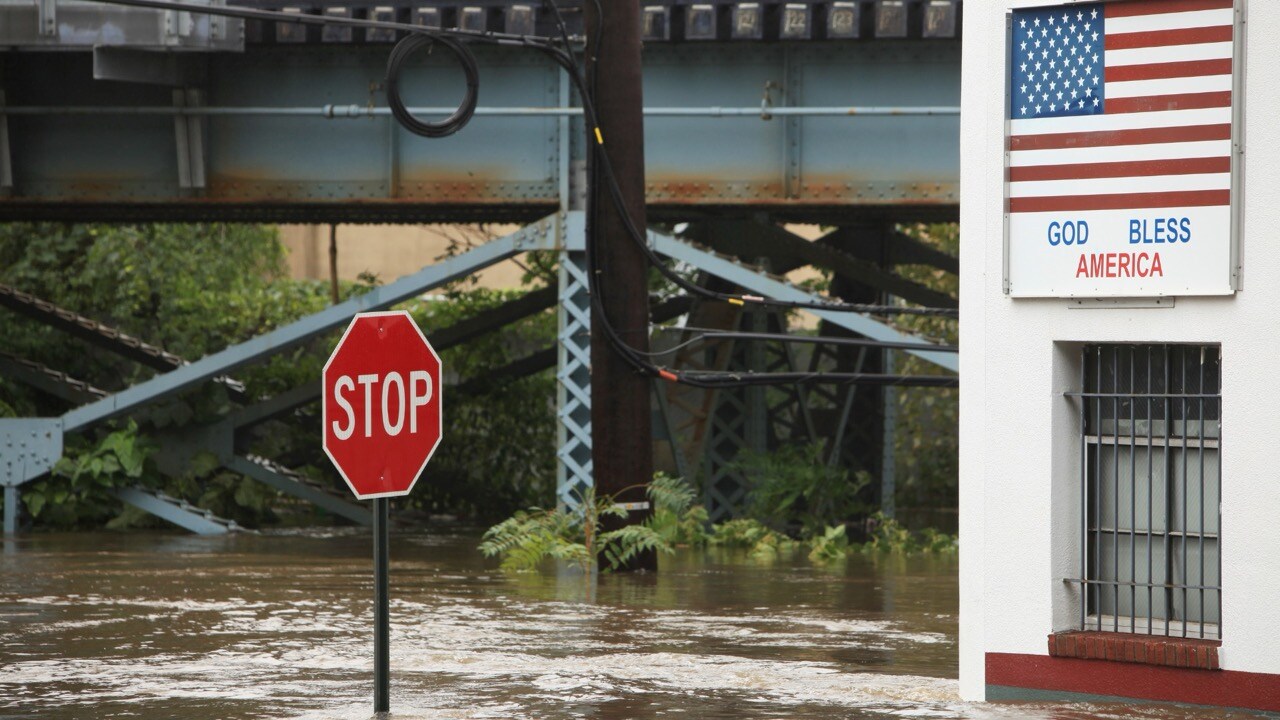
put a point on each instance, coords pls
(829, 546)
(190, 289)
(794, 487)
(77, 492)
(529, 537)
(887, 535)
(759, 540)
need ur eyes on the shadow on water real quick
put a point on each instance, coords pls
(278, 625)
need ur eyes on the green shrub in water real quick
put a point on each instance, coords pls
(795, 487)
(529, 537)
(78, 490)
(830, 546)
(676, 517)
(759, 540)
(889, 536)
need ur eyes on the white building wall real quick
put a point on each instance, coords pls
(1019, 439)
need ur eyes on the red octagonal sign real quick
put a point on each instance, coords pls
(382, 413)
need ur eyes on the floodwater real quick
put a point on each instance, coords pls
(278, 626)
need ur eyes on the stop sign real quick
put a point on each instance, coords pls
(381, 404)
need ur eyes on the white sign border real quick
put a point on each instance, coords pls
(1235, 269)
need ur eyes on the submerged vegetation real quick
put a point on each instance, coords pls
(795, 488)
(530, 537)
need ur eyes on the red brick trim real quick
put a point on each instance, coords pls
(1144, 649)
(1225, 688)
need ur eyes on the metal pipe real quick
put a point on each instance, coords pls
(10, 509)
(381, 607)
(711, 334)
(1085, 574)
(364, 111)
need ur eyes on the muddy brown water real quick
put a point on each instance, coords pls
(278, 626)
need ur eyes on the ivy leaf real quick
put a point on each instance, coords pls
(35, 502)
(203, 463)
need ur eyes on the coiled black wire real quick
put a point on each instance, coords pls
(395, 64)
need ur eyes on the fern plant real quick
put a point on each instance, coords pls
(529, 537)
(619, 547)
(889, 536)
(676, 517)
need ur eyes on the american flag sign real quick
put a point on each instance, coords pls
(1120, 148)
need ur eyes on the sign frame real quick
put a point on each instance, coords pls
(1234, 280)
(324, 405)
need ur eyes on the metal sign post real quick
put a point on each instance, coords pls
(381, 608)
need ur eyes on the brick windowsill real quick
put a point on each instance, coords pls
(1143, 649)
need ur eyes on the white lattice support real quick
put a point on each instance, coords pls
(573, 373)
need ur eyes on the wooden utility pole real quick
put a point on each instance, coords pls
(622, 436)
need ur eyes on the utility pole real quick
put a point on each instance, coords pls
(622, 434)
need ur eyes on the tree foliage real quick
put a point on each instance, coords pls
(926, 450)
(794, 487)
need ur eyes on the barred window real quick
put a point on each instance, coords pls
(1150, 489)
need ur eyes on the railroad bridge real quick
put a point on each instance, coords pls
(842, 113)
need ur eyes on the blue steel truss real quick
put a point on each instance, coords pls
(573, 374)
(761, 284)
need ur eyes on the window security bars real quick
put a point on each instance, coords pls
(1150, 489)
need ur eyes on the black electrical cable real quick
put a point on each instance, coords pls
(395, 65)
(713, 334)
(598, 164)
(639, 238)
(722, 379)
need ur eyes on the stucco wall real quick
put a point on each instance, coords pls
(1019, 452)
(388, 251)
